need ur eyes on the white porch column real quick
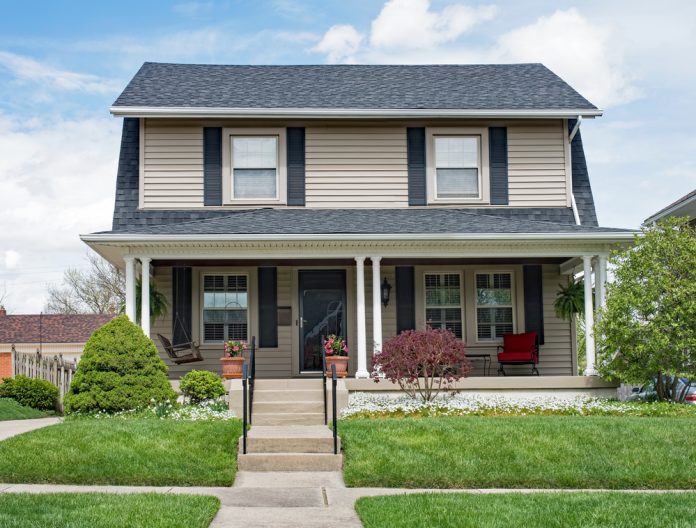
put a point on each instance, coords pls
(589, 317)
(601, 281)
(376, 306)
(362, 327)
(130, 287)
(145, 295)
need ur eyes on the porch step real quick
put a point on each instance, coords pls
(287, 418)
(283, 406)
(288, 384)
(288, 395)
(289, 462)
(290, 439)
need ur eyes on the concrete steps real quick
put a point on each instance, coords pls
(288, 402)
(295, 418)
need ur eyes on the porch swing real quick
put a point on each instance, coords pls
(181, 353)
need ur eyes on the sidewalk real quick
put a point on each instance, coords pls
(10, 428)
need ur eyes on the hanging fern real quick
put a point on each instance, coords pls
(570, 300)
(158, 302)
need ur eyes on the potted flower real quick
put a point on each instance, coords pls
(232, 361)
(336, 352)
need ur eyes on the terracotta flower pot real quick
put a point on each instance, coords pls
(341, 363)
(232, 367)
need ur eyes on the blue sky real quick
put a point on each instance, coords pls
(62, 63)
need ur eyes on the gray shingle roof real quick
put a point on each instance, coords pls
(470, 87)
(129, 219)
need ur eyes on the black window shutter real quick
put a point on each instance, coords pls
(405, 299)
(268, 307)
(415, 146)
(533, 301)
(498, 157)
(212, 166)
(296, 166)
(181, 303)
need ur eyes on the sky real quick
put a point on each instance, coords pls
(62, 63)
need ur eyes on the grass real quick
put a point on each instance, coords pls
(540, 510)
(124, 452)
(520, 452)
(11, 410)
(102, 510)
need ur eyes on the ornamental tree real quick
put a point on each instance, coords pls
(422, 362)
(648, 328)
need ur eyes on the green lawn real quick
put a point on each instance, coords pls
(520, 452)
(512, 510)
(136, 452)
(11, 410)
(102, 510)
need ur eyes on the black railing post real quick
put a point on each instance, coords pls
(244, 408)
(252, 377)
(323, 377)
(335, 415)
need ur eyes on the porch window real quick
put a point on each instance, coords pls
(457, 167)
(494, 305)
(225, 308)
(443, 302)
(254, 168)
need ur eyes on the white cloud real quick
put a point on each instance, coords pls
(340, 43)
(411, 24)
(11, 258)
(30, 70)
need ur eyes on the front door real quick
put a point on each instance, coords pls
(322, 312)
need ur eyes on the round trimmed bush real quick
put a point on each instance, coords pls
(201, 385)
(36, 393)
(120, 369)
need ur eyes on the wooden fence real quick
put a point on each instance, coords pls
(53, 369)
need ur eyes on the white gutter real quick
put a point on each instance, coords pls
(186, 111)
(669, 210)
(444, 237)
(573, 203)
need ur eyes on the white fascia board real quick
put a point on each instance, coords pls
(308, 113)
(445, 237)
(669, 211)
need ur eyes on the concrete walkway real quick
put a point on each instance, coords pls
(9, 428)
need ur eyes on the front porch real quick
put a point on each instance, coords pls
(288, 295)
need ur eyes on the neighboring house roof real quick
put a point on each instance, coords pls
(50, 328)
(482, 87)
(684, 206)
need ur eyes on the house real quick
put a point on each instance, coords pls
(291, 202)
(51, 334)
(684, 206)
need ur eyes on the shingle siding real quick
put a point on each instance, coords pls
(581, 180)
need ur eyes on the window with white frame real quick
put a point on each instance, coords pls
(254, 163)
(457, 167)
(225, 308)
(494, 305)
(443, 302)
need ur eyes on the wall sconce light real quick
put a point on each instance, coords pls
(386, 288)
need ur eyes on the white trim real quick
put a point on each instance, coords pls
(376, 305)
(201, 303)
(462, 296)
(360, 317)
(513, 302)
(589, 317)
(187, 111)
(145, 295)
(130, 286)
(667, 211)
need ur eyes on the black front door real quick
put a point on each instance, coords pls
(322, 312)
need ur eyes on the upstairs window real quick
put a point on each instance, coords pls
(457, 167)
(225, 308)
(254, 163)
(494, 305)
(443, 302)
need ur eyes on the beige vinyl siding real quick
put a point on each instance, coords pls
(356, 167)
(172, 164)
(537, 164)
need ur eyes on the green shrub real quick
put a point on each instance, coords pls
(120, 369)
(201, 385)
(35, 393)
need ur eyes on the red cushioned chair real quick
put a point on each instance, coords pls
(519, 349)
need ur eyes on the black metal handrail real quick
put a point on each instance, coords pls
(252, 376)
(335, 414)
(323, 377)
(245, 376)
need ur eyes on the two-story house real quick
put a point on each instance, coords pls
(290, 202)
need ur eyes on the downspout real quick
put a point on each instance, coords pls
(573, 203)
